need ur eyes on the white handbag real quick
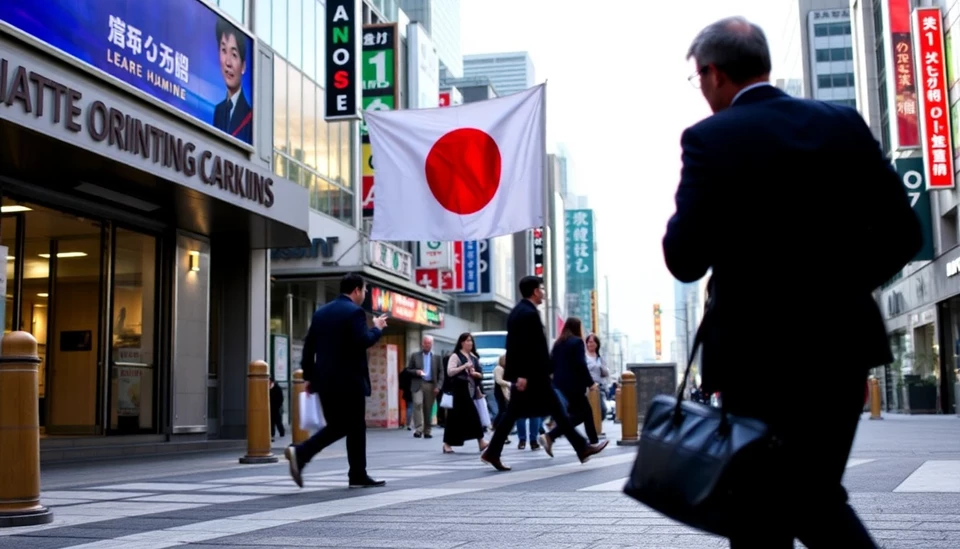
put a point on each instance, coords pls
(446, 401)
(483, 411)
(311, 412)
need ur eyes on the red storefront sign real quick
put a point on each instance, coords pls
(934, 98)
(428, 278)
(452, 280)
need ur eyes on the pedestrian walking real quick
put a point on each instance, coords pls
(528, 369)
(572, 379)
(864, 231)
(276, 409)
(335, 367)
(464, 376)
(427, 371)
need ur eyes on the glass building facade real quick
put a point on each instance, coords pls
(307, 149)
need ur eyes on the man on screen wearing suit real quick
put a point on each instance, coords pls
(233, 115)
(335, 367)
(795, 210)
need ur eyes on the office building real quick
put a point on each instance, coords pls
(508, 72)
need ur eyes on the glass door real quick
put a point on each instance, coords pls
(133, 369)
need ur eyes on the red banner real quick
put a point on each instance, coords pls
(452, 280)
(934, 98)
(908, 133)
(428, 278)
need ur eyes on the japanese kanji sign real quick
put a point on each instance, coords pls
(380, 90)
(904, 77)
(934, 98)
(581, 264)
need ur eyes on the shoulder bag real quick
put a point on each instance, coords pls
(692, 458)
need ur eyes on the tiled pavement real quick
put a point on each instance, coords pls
(904, 477)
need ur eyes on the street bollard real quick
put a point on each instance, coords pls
(593, 395)
(628, 410)
(258, 415)
(875, 398)
(20, 433)
(299, 435)
(616, 401)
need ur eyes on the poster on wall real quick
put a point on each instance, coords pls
(281, 358)
(128, 391)
(183, 55)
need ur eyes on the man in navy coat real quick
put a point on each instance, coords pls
(335, 367)
(794, 208)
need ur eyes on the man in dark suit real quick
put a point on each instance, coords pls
(528, 369)
(335, 367)
(794, 207)
(427, 373)
(233, 115)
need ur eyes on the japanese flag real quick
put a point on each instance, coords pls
(468, 172)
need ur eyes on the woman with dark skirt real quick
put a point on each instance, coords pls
(463, 376)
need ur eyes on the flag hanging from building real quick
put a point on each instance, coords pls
(469, 172)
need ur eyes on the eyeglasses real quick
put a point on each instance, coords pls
(694, 78)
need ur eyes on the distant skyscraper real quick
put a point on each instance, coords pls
(827, 41)
(441, 19)
(509, 72)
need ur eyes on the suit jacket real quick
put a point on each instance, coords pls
(335, 350)
(240, 125)
(437, 369)
(570, 373)
(528, 357)
(794, 208)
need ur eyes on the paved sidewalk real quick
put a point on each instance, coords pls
(904, 478)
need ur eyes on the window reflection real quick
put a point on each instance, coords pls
(294, 32)
(309, 123)
(310, 35)
(280, 106)
(321, 44)
(333, 151)
(323, 138)
(262, 25)
(280, 26)
(345, 164)
(234, 8)
(295, 112)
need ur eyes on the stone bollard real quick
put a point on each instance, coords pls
(20, 433)
(299, 386)
(593, 395)
(258, 415)
(616, 413)
(630, 433)
(875, 398)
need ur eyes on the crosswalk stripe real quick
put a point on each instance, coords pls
(941, 476)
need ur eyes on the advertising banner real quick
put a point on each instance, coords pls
(181, 54)
(471, 268)
(342, 61)
(380, 300)
(380, 62)
(911, 173)
(581, 264)
(657, 336)
(451, 280)
(483, 266)
(934, 98)
(537, 237)
(427, 277)
(905, 100)
(434, 254)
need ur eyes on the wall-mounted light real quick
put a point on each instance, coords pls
(194, 261)
(62, 255)
(43, 295)
(14, 209)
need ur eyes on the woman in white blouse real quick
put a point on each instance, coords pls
(598, 370)
(463, 377)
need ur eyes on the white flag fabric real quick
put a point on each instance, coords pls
(468, 172)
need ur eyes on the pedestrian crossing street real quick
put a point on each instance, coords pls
(934, 476)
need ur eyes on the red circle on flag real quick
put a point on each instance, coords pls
(463, 170)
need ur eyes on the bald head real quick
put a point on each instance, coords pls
(734, 46)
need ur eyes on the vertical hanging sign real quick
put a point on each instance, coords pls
(342, 60)
(380, 70)
(934, 98)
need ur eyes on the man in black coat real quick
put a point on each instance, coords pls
(335, 367)
(793, 206)
(528, 369)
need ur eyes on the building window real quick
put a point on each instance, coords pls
(840, 28)
(842, 80)
(834, 54)
(233, 8)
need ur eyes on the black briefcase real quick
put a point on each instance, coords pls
(693, 459)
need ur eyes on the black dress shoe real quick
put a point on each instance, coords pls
(427, 436)
(367, 483)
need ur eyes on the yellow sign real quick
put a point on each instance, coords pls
(367, 153)
(658, 350)
(594, 312)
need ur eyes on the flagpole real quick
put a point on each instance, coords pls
(548, 274)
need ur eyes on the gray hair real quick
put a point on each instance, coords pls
(427, 337)
(735, 46)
